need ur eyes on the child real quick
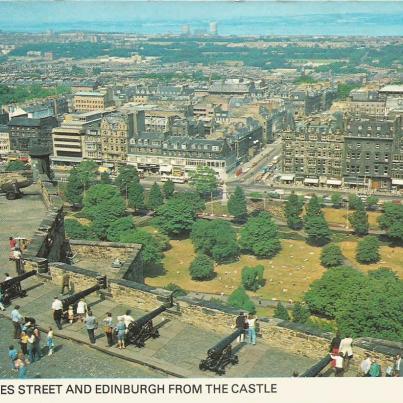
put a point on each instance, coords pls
(24, 342)
(70, 313)
(13, 355)
(51, 344)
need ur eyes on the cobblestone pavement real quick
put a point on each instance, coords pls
(18, 218)
(70, 360)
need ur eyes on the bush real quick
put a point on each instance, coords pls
(118, 228)
(368, 250)
(281, 312)
(239, 299)
(252, 277)
(75, 230)
(331, 256)
(355, 203)
(202, 268)
(179, 291)
(300, 313)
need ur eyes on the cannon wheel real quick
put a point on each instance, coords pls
(234, 360)
(202, 366)
(11, 196)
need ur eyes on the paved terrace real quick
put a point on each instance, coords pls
(177, 352)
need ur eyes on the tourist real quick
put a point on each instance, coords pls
(339, 367)
(24, 342)
(81, 310)
(390, 370)
(121, 332)
(91, 324)
(127, 319)
(21, 364)
(19, 262)
(398, 366)
(12, 355)
(240, 323)
(49, 341)
(108, 328)
(334, 347)
(12, 242)
(251, 321)
(70, 314)
(347, 351)
(37, 343)
(57, 307)
(17, 319)
(66, 283)
(375, 369)
(365, 365)
(31, 346)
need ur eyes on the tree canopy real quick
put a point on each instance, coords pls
(155, 197)
(168, 188)
(331, 256)
(118, 228)
(252, 277)
(317, 230)
(202, 268)
(392, 221)
(293, 210)
(368, 250)
(135, 195)
(359, 221)
(281, 312)
(239, 299)
(237, 204)
(16, 165)
(204, 180)
(127, 175)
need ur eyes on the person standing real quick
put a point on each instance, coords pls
(12, 242)
(70, 314)
(91, 324)
(365, 365)
(108, 328)
(50, 343)
(121, 329)
(66, 283)
(251, 329)
(334, 347)
(24, 343)
(12, 355)
(240, 324)
(21, 365)
(19, 263)
(37, 343)
(16, 318)
(339, 366)
(81, 310)
(398, 366)
(347, 351)
(127, 319)
(31, 346)
(57, 307)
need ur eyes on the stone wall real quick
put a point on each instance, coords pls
(90, 253)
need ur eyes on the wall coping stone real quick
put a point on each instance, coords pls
(106, 244)
(74, 269)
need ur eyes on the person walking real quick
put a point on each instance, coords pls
(17, 319)
(251, 329)
(12, 355)
(121, 330)
(57, 307)
(24, 343)
(81, 310)
(240, 323)
(49, 341)
(108, 328)
(347, 351)
(66, 283)
(91, 324)
(21, 364)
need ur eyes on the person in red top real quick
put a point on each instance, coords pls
(12, 242)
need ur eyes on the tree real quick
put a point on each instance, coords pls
(118, 228)
(177, 215)
(331, 256)
(215, 238)
(252, 277)
(368, 250)
(74, 188)
(127, 175)
(105, 178)
(239, 299)
(204, 180)
(152, 248)
(300, 313)
(355, 203)
(259, 236)
(103, 205)
(16, 165)
(392, 221)
(317, 230)
(135, 196)
(202, 268)
(281, 312)
(87, 172)
(293, 210)
(336, 199)
(81, 178)
(168, 188)
(313, 208)
(75, 230)
(237, 204)
(359, 221)
(155, 198)
(333, 286)
(372, 202)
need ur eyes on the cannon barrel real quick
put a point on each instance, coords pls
(222, 344)
(317, 368)
(4, 285)
(72, 299)
(150, 316)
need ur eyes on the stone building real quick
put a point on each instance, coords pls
(87, 101)
(4, 141)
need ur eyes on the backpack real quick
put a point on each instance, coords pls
(375, 370)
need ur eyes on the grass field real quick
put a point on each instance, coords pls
(390, 257)
(287, 275)
(338, 217)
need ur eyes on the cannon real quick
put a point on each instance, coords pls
(142, 329)
(12, 288)
(73, 299)
(221, 355)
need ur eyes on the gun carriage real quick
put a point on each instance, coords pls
(219, 356)
(12, 288)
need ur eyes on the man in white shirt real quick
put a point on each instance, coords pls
(365, 365)
(346, 350)
(398, 366)
(57, 307)
(339, 364)
(127, 319)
